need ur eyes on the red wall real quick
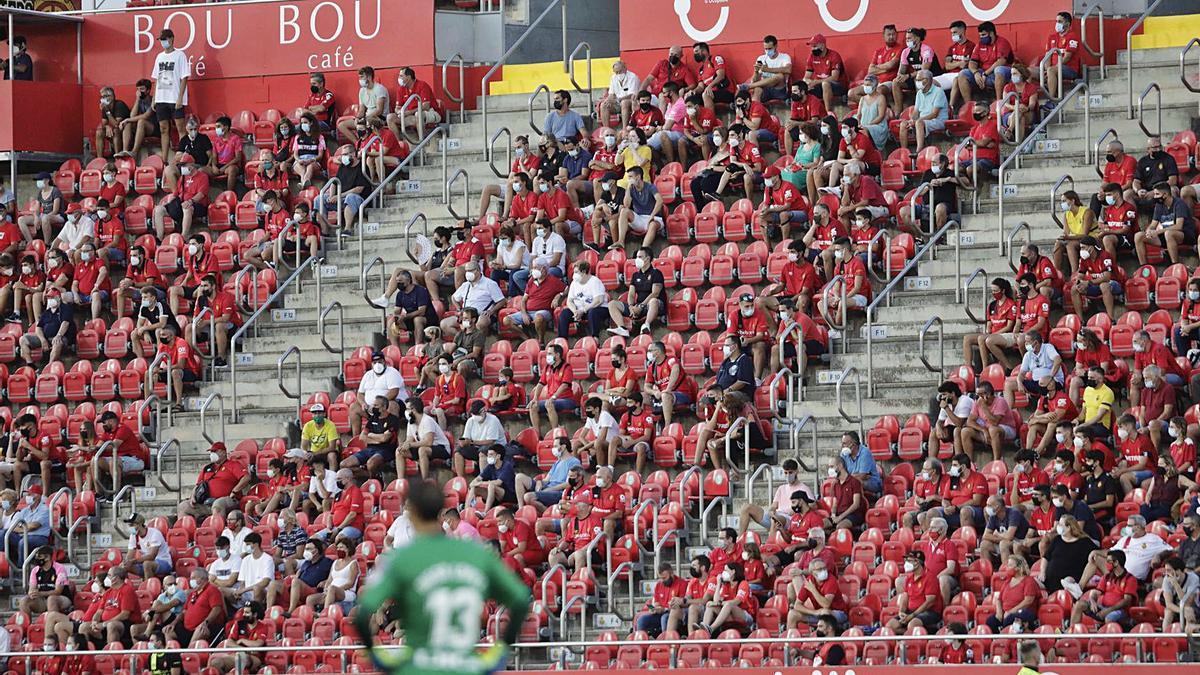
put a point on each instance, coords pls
(39, 116)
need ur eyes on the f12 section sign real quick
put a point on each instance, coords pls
(652, 24)
(261, 39)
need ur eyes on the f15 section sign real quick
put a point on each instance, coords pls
(651, 24)
(261, 39)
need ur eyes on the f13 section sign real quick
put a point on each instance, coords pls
(261, 39)
(651, 24)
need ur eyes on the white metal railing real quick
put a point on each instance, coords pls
(1187, 84)
(807, 422)
(419, 127)
(743, 425)
(159, 459)
(491, 155)
(886, 236)
(1042, 71)
(1129, 52)
(1080, 89)
(439, 131)
(484, 93)
(885, 295)
(127, 493)
(107, 446)
(1153, 86)
(1099, 54)
(795, 380)
(204, 406)
(466, 195)
(571, 74)
(974, 189)
(1100, 154)
(419, 216)
(253, 322)
(1007, 129)
(151, 373)
(298, 395)
(322, 320)
(1054, 203)
(941, 336)
(823, 307)
(459, 98)
(1012, 234)
(532, 99)
(845, 374)
(383, 310)
(979, 273)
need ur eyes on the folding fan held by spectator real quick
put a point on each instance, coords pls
(422, 249)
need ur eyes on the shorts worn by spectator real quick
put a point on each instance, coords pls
(373, 101)
(621, 95)
(355, 188)
(220, 483)
(772, 71)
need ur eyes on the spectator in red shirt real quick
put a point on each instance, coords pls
(610, 501)
(990, 65)
(921, 602)
(782, 207)
(552, 395)
(1054, 407)
(213, 301)
(1098, 275)
(246, 629)
(668, 594)
(384, 150)
(816, 594)
(91, 286)
(804, 108)
(187, 202)
(884, 64)
(133, 455)
(537, 317)
(713, 84)
(578, 533)
(854, 283)
(798, 281)
(320, 101)
(203, 611)
(670, 69)
(966, 491)
(1112, 597)
(1001, 319)
(1067, 39)
(112, 191)
(430, 107)
(1015, 602)
(225, 162)
(763, 126)
(986, 134)
(825, 71)
(110, 231)
(847, 504)
(223, 480)
(112, 612)
(733, 603)
(701, 588)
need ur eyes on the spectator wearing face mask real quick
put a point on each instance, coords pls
(19, 66)
(191, 142)
(620, 98)
(549, 490)
(54, 334)
(381, 380)
(113, 112)
(772, 70)
(204, 609)
(424, 441)
(986, 154)
(356, 187)
(883, 68)
(313, 572)
(1173, 222)
(1019, 113)
(224, 479)
(112, 612)
(670, 69)
(172, 73)
(188, 201)
(482, 430)
(380, 436)
(496, 482)
(308, 150)
(78, 229)
(47, 216)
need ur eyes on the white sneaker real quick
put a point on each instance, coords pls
(623, 332)
(383, 300)
(1072, 587)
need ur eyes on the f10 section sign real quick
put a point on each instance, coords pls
(261, 39)
(651, 24)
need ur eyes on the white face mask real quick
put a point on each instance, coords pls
(309, 555)
(378, 368)
(1016, 78)
(769, 182)
(270, 473)
(109, 177)
(503, 529)
(1127, 531)
(541, 232)
(166, 44)
(492, 460)
(1123, 434)
(727, 350)
(544, 188)
(845, 452)
(925, 475)
(517, 186)
(171, 589)
(346, 159)
(990, 511)
(909, 566)
(1060, 529)
(1174, 433)
(1059, 467)
(727, 576)
(601, 482)
(1193, 295)
(733, 142)
(556, 452)
(102, 214)
(1060, 27)
(443, 368)
(955, 471)
(445, 527)
(471, 276)
(1058, 502)
(213, 457)
(85, 255)
(185, 170)
(41, 184)
(223, 554)
(536, 273)
(220, 132)
(362, 82)
(193, 249)
(305, 127)
(610, 141)
(832, 472)
(956, 38)
(108, 582)
(1085, 253)
(825, 129)
(52, 304)
(936, 169)
(911, 44)
(837, 254)
(1078, 442)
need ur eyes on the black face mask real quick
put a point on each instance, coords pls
(696, 574)
(797, 97)
(1023, 290)
(644, 106)
(461, 234)
(314, 89)
(1110, 157)
(674, 59)
(558, 105)
(616, 363)
(698, 58)
(817, 50)
(412, 418)
(164, 339)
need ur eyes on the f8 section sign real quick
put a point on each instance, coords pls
(650, 24)
(261, 39)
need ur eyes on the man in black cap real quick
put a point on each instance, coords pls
(609, 197)
(171, 73)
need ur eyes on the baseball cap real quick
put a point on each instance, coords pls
(771, 172)
(53, 292)
(802, 496)
(610, 175)
(377, 355)
(746, 297)
(316, 408)
(74, 207)
(45, 175)
(35, 489)
(916, 555)
(186, 158)
(135, 519)
(817, 39)
(217, 447)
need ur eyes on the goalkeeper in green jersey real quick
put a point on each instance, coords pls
(439, 586)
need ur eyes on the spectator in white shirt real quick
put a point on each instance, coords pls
(381, 380)
(322, 486)
(480, 292)
(548, 248)
(512, 255)
(1041, 359)
(424, 439)
(482, 431)
(399, 533)
(372, 102)
(776, 515)
(237, 531)
(772, 71)
(78, 230)
(1142, 551)
(223, 570)
(604, 431)
(587, 302)
(256, 572)
(149, 555)
(622, 94)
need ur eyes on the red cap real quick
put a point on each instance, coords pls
(817, 39)
(185, 158)
(74, 207)
(35, 490)
(771, 172)
(53, 292)
(218, 447)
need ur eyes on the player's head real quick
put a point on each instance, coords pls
(424, 506)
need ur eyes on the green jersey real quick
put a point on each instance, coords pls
(439, 586)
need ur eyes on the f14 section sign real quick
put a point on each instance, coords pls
(261, 39)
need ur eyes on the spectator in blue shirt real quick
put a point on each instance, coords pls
(577, 160)
(414, 307)
(55, 332)
(549, 490)
(313, 571)
(860, 463)
(30, 527)
(737, 370)
(562, 122)
(496, 483)
(1005, 526)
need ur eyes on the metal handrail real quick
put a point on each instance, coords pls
(661, 542)
(1100, 155)
(1042, 70)
(420, 126)
(382, 287)
(215, 396)
(162, 450)
(857, 397)
(682, 481)
(529, 30)
(1099, 54)
(438, 131)
(794, 437)
(491, 155)
(974, 170)
(532, 98)
(85, 522)
(629, 569)
(340, 350)
(142, 413)
(149, 384)
(116, 465)
(70, 505)
(252, 321)
(887, 258)
(337, 199)
(299, 376)
(246, 271)
(1080, 87)
(571, 73)
(823, 308)
(1129, 52)
(1012, 234)
(582, 601)
(912, 206)
(1054, 210)
(466, 193)
(1157, 107)
(8, 555)
(1016, 118)
(116, 508)
(420, 215)
(212, 334)
(966, 294)
(783, 372)
(362, 155)
(795, 379)
(941, 334)
(885, 295)
(739, 423)
(1195, 89)
(462, 90)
